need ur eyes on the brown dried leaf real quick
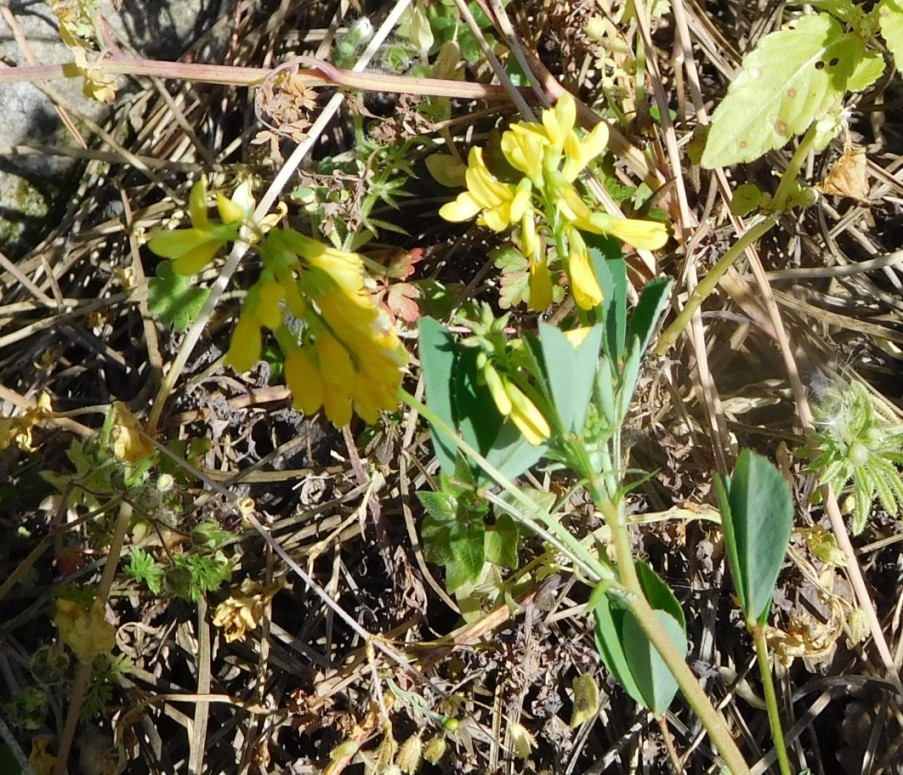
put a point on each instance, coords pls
(848, 176)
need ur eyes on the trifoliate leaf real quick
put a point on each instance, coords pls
(787, 82)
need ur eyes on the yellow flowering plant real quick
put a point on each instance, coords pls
(545, 206)
(340, 349)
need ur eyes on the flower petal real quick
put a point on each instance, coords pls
(463, 208)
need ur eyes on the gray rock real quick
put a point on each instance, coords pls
(31, 183)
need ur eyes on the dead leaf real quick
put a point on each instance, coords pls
(848, 177)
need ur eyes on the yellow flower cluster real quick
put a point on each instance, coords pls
(550, 155)
(341, 350)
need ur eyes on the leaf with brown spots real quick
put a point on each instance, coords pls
(788, 81)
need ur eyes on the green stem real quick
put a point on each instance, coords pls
(771, 700)
(596, 571)
(708, 283)
(788, 179)
(689, 685)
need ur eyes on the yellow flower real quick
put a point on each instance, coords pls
(525, 415)
(579, 153)
(540, 284)
(262, 307)
(559, 121)
(302, 376)
(524, 145)
(351, 359)
(648, 235)
(584, 285)
(192, 249)
(485, 197)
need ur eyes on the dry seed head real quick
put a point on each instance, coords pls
(410, 754)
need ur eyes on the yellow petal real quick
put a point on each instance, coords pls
(172, 244)
(338, 406)
(569, 202)
(522, 199)
(229, 211)
(303, 379)
(540, 286)
(497, 389)
(497, 218)
(559, 121)
(648, 235)
(529, 242)
(584, 285)
(526, 416)
(195, 260)
(588, 149)
(524, 146)
(269, 308)
(336, 366)
(463, 208)
(245, 348)
(482, 184)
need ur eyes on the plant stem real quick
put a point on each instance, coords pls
(708, 283)
(636, 601)
(771, 700)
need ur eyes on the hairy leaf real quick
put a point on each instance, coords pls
(787, 82)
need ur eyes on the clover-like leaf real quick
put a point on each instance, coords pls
(788, 81)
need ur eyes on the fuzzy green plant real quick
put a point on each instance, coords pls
(859, 443)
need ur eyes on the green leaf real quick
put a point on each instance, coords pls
(649, 309)
(787, 82)
(570, 372)
(144, 569)
(842, 9)
(466, 542)
(502, 542)
(746, 198)
(869, 70)
(609, 616)
(611, 270)
(437, 358)
(173, 299)
(890, 19)
(626, 651)
(658, 593)
(760, 520)
(654, 681)
(440, 506)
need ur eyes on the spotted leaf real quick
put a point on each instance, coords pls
(788, 81)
